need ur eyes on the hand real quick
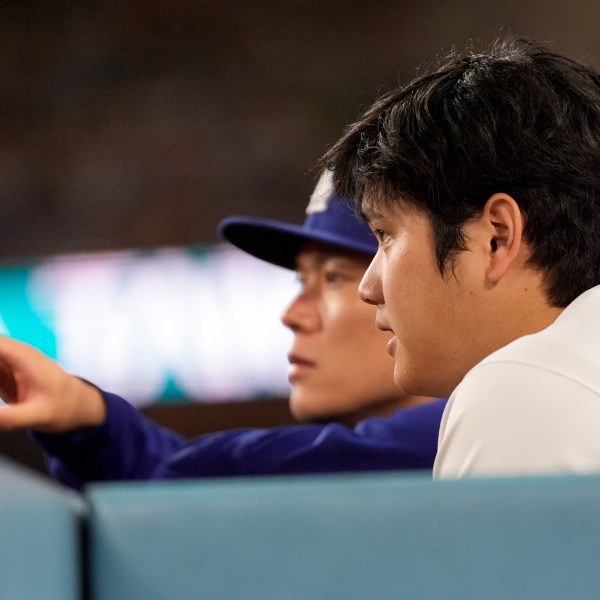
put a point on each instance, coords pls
(43, 396)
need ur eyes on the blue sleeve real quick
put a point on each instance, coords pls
(126, 446)
(130, 446)
(406, 440)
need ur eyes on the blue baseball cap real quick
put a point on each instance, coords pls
(330, 219)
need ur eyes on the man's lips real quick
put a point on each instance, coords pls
(391, 345)
(383, 326)
(298, 367)
(294, 359)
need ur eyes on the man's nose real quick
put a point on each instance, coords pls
(300, 315)
(370, 290)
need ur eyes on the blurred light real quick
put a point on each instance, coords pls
(198, 324)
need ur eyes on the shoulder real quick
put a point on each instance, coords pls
(529, 408)
(534, 374)
(532, 405)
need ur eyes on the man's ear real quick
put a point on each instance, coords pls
(505, 221)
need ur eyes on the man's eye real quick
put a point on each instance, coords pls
(332, 276)
(380, 234)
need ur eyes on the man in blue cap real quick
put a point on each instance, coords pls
(354, 417)
(339, 366)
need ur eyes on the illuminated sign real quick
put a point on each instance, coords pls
(170, 324)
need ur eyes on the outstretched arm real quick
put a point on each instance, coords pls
(41, 395)
(86, 435)
(126, 446)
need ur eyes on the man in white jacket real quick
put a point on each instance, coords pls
(481, 180)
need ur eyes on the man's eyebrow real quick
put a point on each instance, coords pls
(370, 212)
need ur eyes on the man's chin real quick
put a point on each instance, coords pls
(311, 408)
(299, 407)
(405, 383)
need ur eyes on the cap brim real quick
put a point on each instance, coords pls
(279, 243)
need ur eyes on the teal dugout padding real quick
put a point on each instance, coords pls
(353, 537)
(40, 540)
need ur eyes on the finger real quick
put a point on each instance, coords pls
(16, 355)
(21, 366)
(20, 416)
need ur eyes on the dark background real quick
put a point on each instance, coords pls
(136, 124)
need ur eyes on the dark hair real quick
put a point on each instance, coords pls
(517, 119)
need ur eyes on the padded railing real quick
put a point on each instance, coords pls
(386, 536)
(347, 537)
(40, 537)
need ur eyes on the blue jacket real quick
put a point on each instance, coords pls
(129, 446)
